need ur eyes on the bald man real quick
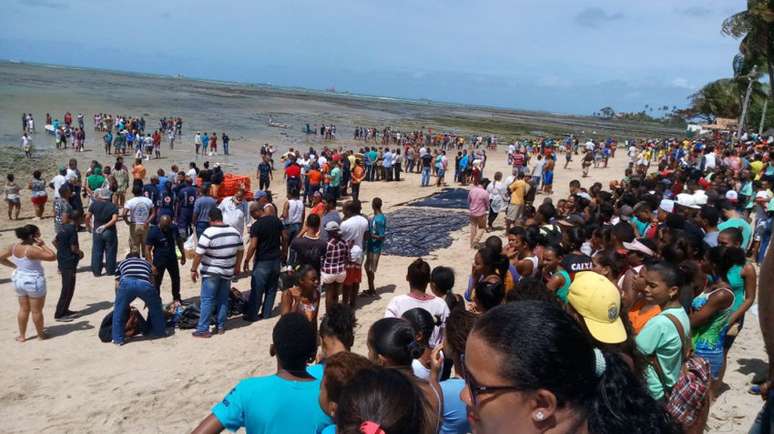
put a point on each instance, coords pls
(160, 245)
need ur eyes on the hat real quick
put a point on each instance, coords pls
(763, 195)
(732, 195)
(700, 198)
(259, 194)
(571, 220)
(637, 246)
(598, 301)
(104, 193)
(686, 200)
(332, 226)
(584, 195)
(667, 205)
(356, 253)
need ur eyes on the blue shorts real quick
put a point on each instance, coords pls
(714, 358)
(548, 178)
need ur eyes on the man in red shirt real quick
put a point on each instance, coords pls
(293, 175)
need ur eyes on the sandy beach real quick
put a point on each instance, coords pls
(74, 383)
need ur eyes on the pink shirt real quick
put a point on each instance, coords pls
(478, 201)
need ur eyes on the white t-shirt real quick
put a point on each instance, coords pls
(140, 208)
(434, 305)
(353, 229)
(709, 161)
(58, 181)
(191, 173)
(233, 214)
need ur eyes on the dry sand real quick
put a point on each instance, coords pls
(74, 383)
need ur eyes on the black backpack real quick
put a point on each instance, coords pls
(189, 318)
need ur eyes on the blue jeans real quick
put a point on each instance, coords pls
(225, 148)
(263, 289)
(425, 176)
(215, 291)
(128, 290)
(764, 422)
(105, 244)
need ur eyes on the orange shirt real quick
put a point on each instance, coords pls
(639, 319)
(319, 209)
(138, 172)
(314, 177)
(357, 175)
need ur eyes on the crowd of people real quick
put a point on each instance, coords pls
(612, 309)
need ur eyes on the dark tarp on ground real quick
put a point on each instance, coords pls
(448, 198)
(416, 232)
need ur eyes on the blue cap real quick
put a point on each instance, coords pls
(259, 194)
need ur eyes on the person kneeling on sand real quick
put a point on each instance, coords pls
(134, 281)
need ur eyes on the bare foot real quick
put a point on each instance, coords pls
(42, 336)
(20, 339)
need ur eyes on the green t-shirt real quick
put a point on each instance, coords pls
(95, 181)
(660, 337)
(335, 177)
(740, 223)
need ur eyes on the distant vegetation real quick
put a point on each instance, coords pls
(754, 27)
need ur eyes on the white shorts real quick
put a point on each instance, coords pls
(27, 284)
(327, 279)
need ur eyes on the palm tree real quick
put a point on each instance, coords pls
(755, 28)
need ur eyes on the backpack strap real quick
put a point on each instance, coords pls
(686, 345)
(686, 350)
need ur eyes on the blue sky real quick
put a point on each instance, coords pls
(566, 56)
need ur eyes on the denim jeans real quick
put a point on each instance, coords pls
(425, 176)
(105, 244)
(225, 148)
(215, 291)
(764, 422)
(263, 289)
(128, 290)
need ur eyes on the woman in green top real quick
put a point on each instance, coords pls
(557, 278)
(742, 278)
(710, 312)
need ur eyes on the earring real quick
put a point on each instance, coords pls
(539, 415)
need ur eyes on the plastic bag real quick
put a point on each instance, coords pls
(190, 245)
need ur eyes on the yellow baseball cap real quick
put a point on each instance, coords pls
(598, 301)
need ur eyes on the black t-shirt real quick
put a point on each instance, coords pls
(103, 211)
(426, 160)
(575, 263)
(268, 231)
(308, 251)
(65, 239)
(163, 243)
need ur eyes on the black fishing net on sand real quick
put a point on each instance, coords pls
(415, 231)
(448, 198)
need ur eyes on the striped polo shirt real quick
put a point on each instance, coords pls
(218, 247)
(134, 268)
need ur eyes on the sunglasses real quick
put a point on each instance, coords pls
(476, 388)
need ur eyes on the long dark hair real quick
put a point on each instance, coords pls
(386, 397)
(494, 260)
(723, 258)
(423, 324)
(394, 339)
(542, 347)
